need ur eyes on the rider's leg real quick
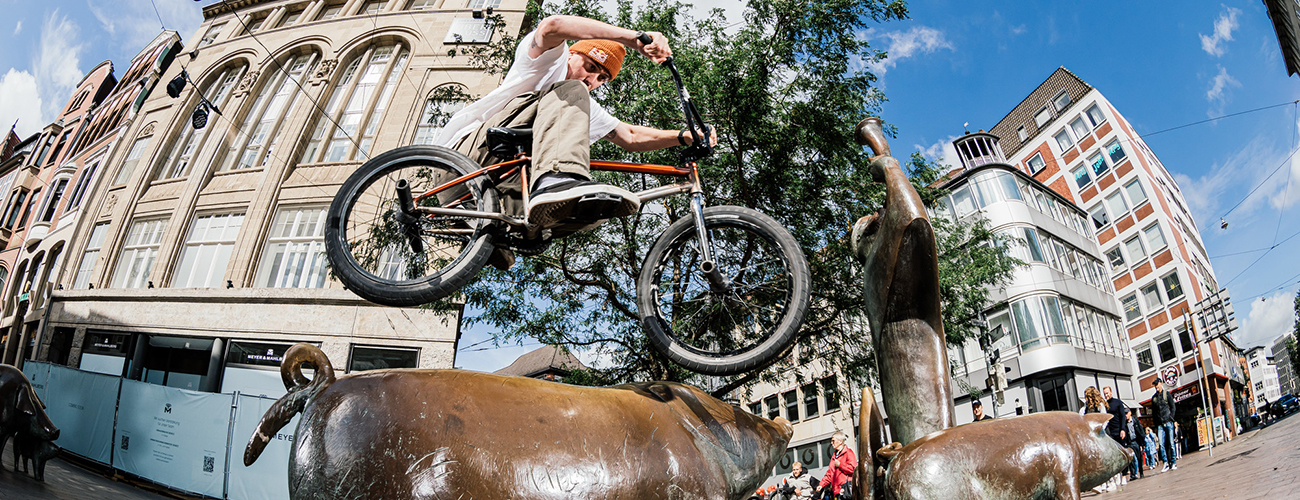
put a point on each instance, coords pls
(562, 149)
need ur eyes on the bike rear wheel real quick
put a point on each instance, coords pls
(392, 258)
(724, 330)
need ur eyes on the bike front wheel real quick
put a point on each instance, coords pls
(391, 257)
(738, 323)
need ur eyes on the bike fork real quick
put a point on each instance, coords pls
(708, 266)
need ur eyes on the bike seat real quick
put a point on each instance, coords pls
(507, 142)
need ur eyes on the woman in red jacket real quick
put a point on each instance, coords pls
(841, 470)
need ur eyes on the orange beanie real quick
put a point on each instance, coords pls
(607, 53)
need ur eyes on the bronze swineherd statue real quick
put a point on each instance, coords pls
(1046, 455)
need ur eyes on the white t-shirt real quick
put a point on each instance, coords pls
(525, 75)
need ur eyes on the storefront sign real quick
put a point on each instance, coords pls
(1182, 393)
(1202, 431)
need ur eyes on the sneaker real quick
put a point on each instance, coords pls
(579, 199)
(1175, 466)
(1166, 469)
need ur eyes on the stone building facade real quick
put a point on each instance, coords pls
(199, 258)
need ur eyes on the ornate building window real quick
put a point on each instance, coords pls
(139, 253)
(366, 86)
(190, 140)
(207, 251)
(90, 256)
(262, 126)
(132, 157)
(295, 250)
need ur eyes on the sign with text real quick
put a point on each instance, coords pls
(469, 30)
(167, 435)
(1182, 393)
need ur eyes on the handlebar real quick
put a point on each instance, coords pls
(700, 147)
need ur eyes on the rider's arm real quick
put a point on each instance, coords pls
(555, 30)
(639, 138)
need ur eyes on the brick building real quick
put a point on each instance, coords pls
(1068, 136)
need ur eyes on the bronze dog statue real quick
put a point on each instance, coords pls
(403, 434)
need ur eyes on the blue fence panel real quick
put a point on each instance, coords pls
(268, 477)
(81, 404)
(173, 436)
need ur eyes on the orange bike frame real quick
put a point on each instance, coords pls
(690, 185)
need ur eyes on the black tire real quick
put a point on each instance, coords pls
(370, 247)
(768, 273)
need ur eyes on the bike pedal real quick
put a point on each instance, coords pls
(597, 206)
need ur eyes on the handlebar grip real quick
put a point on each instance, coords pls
(644, 38)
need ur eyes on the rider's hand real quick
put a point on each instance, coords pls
(658, 49)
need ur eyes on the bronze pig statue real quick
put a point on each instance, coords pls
(417, 434)
(22, 413)
(1044, 455)
(33, 451)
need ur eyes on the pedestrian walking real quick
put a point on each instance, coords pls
(1165, 425)
(1136, 441)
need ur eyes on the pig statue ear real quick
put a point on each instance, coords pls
(25, 403)
(657, 390)
(1097, 421)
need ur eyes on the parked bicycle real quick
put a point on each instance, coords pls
(721, 292)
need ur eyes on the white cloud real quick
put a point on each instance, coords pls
(18, 28)
(34, 97)
(133, 23)
(943, 152)
(1267, 319)
(1218, 93)
(20, 100)
(1223, 27)
(1018, 30)
(918, 40)
(55, 64)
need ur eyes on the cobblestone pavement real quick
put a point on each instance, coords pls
(64, 481)
(1260, 464)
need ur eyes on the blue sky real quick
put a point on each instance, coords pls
(952, 63)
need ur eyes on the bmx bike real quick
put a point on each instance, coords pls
(720, 292)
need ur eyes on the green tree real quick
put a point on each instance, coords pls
(1293, 343)
(785, 88)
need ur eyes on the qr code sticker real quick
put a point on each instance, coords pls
(126, 442)
(209, 463)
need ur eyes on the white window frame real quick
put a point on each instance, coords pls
(90, 257)
(300, 262)
(1146, 234)
(132, 158)
(139, 253)
(1061, 106)
(208, 247)
(1041, 164)
(1042, 117)
(1128, 190)
(1067, 144)
(1141, 253)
